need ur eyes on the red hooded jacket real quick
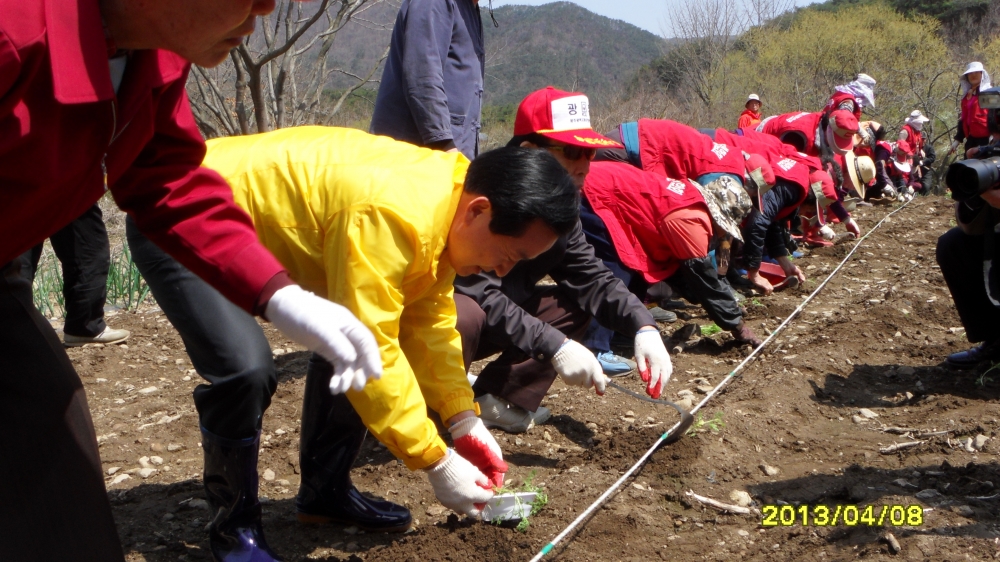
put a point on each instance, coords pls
(801, 124)
(632, 203)
(748, 119)
(61, 122)
(914, 137)
(677, 151)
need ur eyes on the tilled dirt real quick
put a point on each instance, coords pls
(874, 339)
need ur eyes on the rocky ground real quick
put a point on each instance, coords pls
(859, 371)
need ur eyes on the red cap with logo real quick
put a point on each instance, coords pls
(845, 126)
(560, 116)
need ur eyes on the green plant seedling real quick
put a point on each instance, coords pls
(710, 330)
(541, 500)
(714, 425)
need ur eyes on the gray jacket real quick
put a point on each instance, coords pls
(432, 86)
(580, 276)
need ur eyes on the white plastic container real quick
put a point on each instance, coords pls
(509, 507)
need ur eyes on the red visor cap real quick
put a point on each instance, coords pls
(561, 116)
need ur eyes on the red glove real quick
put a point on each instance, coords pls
(652, 389)
(474, 442)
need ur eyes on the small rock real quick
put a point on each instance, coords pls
(928, 494)
(964, 511)
(148, 390)
(113, 470)
(144, 462)
(147, 472)
(906, 371)
(858, 419)
(547, 436)
(574, 469)
(592, 426)
(743, 533)
(186, 378)
(630, 414)
(283, 482)
(156, 447)
(890, 539)
(119, 479)
(352, 547)
(867, 413)
(740, 498)
(518, 441)
(874, 301)
(178, 361)
(685, 392)
(435, 510)
(168, 517)
(280, 432)
(704, 388)
(174, 447)
(269, 475)
(769, 470)
(156, 461)
(903, 483)
(352, 530)
(685, 403)
(980, 442)
(198, 503)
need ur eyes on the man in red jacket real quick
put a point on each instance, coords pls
(92, 99)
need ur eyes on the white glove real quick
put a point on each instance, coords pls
(476, 444)
(653, 361)
(459, 486)
(954, 145)
(578, 366)
(852, 226)
(331, 331)
(826, 232)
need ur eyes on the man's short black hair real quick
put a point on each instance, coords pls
(524, 184)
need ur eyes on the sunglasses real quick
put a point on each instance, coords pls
(575, 153)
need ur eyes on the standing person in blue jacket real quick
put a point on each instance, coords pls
(432, 86)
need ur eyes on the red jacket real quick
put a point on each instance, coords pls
(839, 98)
(790, 126)
(675, 150)
(632, 203)
(60, 121)
(914, 137)
(748, 119)
(972, 120)
(786, 163)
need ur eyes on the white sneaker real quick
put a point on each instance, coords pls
(501, 414)
(108, 336)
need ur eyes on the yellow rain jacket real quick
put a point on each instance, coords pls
(363, 221)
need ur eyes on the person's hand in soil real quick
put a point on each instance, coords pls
(459, 485)
(852, 226)
(758, 281)
(791, 269)
(653, 361)
(330, 330)
(474, 442)
(578, 366)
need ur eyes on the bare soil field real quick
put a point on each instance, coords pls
(792, 433)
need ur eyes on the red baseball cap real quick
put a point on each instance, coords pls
(845, 126)
(561, 116)
(905, 147)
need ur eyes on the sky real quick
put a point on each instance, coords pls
(650, 15)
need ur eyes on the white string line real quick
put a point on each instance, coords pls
(614, 487)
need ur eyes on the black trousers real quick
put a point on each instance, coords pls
(82, 248)
(226, 345)
(53, 504)
(961, 259)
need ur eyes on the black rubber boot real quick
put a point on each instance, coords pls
(331, 437)
(231, 484)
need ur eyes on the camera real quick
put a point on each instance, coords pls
(968, 178)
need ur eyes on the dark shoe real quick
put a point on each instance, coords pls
(970, 358)
(744, 335)
(332, 434)
(661, 315)
(236, 533)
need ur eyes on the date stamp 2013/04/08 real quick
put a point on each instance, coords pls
(848, 515)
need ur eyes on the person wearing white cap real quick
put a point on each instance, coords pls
(912, 132)
(751, 114)
(853, 96)
(972, 118)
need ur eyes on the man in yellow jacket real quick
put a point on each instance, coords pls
(381, 227)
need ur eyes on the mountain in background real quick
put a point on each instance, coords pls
(563, 45)
(559, 44)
